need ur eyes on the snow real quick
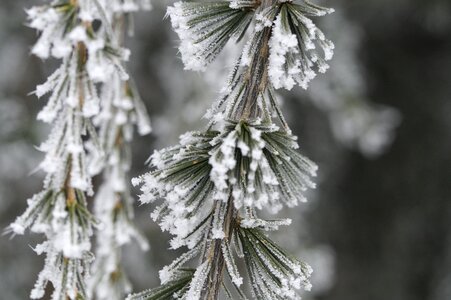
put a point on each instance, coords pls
(223, 161)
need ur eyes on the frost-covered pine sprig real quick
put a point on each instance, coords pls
(274, 57)
(121, 110)
(204, 28)
(89, 56)
(272, 263)
(198, 177)
(113, 202)
(215, 182)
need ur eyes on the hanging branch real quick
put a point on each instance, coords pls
(214, 182)
(89, 55)
(121, 110)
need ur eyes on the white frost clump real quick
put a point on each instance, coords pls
(66, 275)
(292, 58)
(189, 49)
(282, 44)
(262, 186)
(187, 199)
(61, 42)
(262, 21)
(223, 165)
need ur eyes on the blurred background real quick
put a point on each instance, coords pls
(378, 124)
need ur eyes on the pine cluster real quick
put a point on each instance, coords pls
(93, 107)
(215, 183)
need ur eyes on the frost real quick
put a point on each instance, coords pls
(293, 55)
(217, 234)
(17, 228)
(262, 21)
(204, 166)
(198, 282)
(231, 265)
(263, 184)
(189, 50)
(78, 34)
(281, 44)
(202, 40)
(187, 202)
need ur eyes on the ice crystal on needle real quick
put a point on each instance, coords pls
(180, 177)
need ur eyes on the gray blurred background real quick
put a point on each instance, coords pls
(378, 124)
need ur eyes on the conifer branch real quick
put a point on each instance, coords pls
(214, 182)
(89, 58)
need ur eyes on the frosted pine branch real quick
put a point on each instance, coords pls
(88, 57)
(198, 177)
(215, 182)
(121, 110)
